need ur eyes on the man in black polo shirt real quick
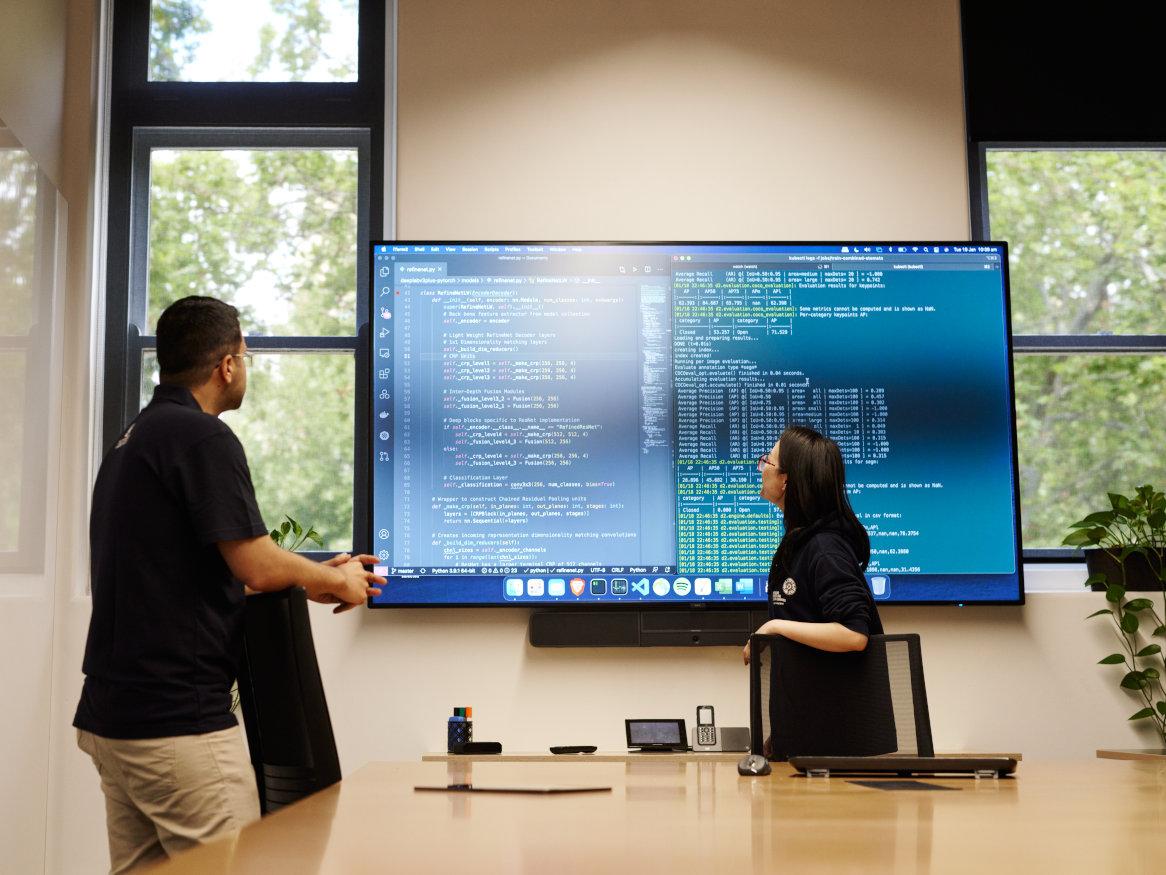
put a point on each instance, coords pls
(175, 534)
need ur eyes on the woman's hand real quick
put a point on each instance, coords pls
(772, 627)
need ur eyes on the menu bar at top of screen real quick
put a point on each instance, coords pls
(730, 251)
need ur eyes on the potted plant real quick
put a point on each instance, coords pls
(1128, 544)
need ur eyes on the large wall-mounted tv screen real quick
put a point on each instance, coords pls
(580, 423)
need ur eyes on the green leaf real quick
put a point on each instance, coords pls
(1099, 577)
(1129, 623)
(1133, 680)
(275, 535)
(313, 535)
(1080, 538)
(284, 528)
(1099, 613)
(1115, 592)
(1101, 518)
(1112, 659)
(1161, 706)
(1160, 631)
(1143, 714)
(296, 527)
(1150, 674)
(1139, 605)
(1149, 650)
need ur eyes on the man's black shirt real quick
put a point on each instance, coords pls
(165, 634)
(824, 583)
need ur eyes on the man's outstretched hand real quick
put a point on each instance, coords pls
(358, 584)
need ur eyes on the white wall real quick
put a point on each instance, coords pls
(76, 814)
(47, 101)
(32, 77)
(685, 120)
(33, 46)
(680, 119)
(999, 679)
(661, 119)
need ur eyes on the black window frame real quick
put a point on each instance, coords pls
(1054, 344)
(145, 114)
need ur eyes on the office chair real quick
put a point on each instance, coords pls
(806, 702)
(289, 731)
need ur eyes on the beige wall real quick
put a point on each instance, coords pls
(663, 119)
(32, 77)
(31, 108)
(681, 119)
(998, 679)
(46, 100)
(76, 815)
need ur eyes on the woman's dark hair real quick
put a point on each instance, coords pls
(193, 334)
(816, 489)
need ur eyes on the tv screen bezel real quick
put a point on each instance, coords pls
(750, 605)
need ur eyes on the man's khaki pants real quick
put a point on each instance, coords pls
(163, 795)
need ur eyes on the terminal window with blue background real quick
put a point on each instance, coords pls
(580, 423)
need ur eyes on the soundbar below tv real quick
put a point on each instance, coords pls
(577, 425)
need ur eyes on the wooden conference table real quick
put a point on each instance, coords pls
(701, 817)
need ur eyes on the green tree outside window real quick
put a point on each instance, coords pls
(1087, 256)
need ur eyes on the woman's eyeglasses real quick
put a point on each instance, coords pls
(762, 461)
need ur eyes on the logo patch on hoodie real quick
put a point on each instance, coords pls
(788, 587)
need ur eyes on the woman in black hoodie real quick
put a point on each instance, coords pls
(818, 595)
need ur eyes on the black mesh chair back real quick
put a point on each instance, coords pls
(806, 702)
(289, 731)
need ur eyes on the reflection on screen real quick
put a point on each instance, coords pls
(581, 423)
(656, 732)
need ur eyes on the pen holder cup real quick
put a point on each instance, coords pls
(459, 732)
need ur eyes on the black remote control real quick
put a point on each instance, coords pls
(574, 748)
